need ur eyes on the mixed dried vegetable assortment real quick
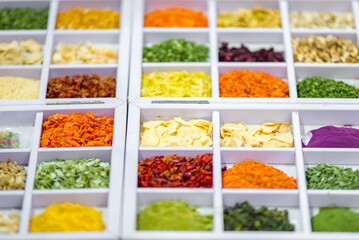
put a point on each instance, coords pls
(80, 173)
(175, 17)
(253, 174)
(76, 130)
(176, 171)
(12, 176)
(81, 86)
(319, 87)
(245, 217)
(87, 18)
(176, 50)
(252, 84)
(9, 139)
(243, 54)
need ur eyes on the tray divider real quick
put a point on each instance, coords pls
(30, 178)
(212, 15)
(302, 187)
(48, 50)
(124, 45)
(217, 176)
(130, 188)
(116, 177)
(136, 51)
(355, 11)
(287, 40)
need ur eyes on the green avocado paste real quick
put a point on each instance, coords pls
(172, 215)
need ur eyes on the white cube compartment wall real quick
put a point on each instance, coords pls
(117, 39)
(301, 203)
(33, 201)
(280, 38)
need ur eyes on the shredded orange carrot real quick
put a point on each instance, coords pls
(251, 84)
(253, 174)
(76, 130)
(176, 17)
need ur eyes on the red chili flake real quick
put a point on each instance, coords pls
(81, 86)
(176, 171)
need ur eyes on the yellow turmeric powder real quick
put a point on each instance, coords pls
(67, 217)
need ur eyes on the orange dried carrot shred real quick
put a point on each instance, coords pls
(76, 130)
(176, 17)
(252, 84)
(253, 174)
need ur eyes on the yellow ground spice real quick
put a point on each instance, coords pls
(67, 217)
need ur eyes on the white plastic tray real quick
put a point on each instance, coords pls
(31, 201)
(264, 37)
(300, 202)
(119, 38)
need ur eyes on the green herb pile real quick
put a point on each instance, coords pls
(244, 217)
(81, 173)
(326, 176)
(176, 50)
(23, 18)
(336, 219)
(318, 87)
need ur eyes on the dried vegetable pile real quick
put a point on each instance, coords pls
(9, 222)
(250, 18)
(252, 84)
(338, 20)
(80, 173)
(177, 132)
(336, 219)
(253, 174)
(243, 54)
(245, 217)
(12, 176)
(67, 217)
(325, 49)
(176, 171)
(172, 215)
(27, 52)
(87, 18)
(83, 53)
(175, 17)
(324, 176)
(319, 87)
(81, 86)
(176, 50)
(76, 130)
(23, 18)
(265, 135)
(19, 88)
(9, 139)
(176, 84)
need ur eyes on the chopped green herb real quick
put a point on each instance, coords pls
(81, 173)
(326, 176)
(318, 87)
(245, 217)
(23, 18)
(176, 50)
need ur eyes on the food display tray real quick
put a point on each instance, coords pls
(301, 203)
(32, 201)
(118, 39)
(255, 38)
